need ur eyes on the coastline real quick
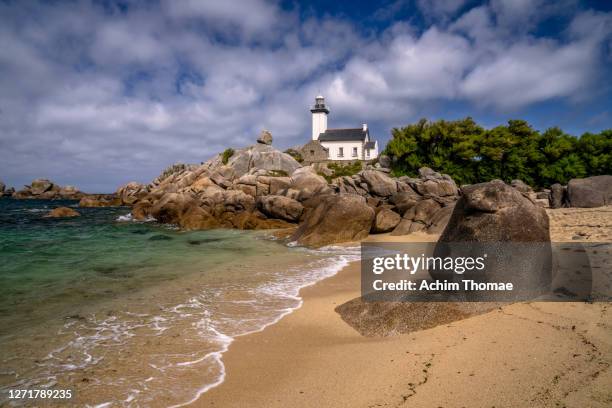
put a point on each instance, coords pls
(526, 354)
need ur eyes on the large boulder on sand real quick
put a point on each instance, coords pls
(557, 195)
(336, 218)
(496, 212)
(62, 212)
(281, 207)
(385, 220)
(590, 192)
(496, 219)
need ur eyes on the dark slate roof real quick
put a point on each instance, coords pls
(370, 145)
(343, 135)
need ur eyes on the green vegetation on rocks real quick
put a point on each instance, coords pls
(227, 153)
(339, 170)
(295, 154)
(470, 154)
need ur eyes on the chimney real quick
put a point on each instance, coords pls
(365, 127)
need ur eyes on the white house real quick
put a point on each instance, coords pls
(341, 144)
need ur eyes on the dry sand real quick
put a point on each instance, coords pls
(522, 355)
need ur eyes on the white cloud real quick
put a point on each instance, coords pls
(96, 97)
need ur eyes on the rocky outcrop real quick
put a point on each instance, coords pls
(386, 220)
(62, 212)
(496, 212)
(590, 192)
(261, 187)
(262, 157)
(44, 189)
(521, 186)
(558, 195)
(130, 193)
(336, 218)
(280, 207)
(497, 218)
(378, 183)
(99, 200)
(425, 203)
(305, 183)
(381, 319)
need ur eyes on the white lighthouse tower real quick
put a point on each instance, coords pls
(319, 117)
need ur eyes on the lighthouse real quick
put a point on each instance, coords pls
(319, 117)
(345, 144)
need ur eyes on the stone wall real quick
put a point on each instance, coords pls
(313, 152)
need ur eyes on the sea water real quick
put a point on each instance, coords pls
(129, 313)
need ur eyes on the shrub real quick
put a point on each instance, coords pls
(277, 173)
(227, 153)
(340, 170)
(295, 154)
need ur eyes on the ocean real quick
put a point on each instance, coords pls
(127, 313)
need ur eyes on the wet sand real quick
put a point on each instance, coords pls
(528, 354)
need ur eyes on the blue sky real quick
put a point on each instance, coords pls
(99, 93)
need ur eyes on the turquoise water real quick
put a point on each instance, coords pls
(136, 314)
(54, 266)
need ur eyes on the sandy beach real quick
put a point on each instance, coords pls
(528, 354)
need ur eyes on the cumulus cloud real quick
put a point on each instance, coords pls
(98, 94)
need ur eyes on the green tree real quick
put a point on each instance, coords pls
(596, 152)
(471, 154)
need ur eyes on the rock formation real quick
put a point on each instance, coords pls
(558, 195)
(241, 193)
(262, 187)
(131, 192)
(62, 212)
(99, 200)
(590, 192)
(47, 190)
(497, 218)
(335, 218)
(265, 137)
(496, 212)
(386, 220)
(280, 207)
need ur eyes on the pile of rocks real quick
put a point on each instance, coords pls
(235, 193)
(587, 192)
(47, 190)
(404, 205)
(485, 213)
(262, 187)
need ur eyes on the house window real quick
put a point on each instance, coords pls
(368, 152)
(341, 152)
(354, 152)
